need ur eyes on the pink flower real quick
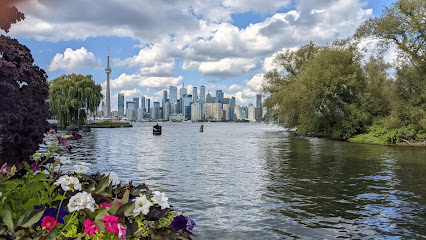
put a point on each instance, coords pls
(90, 227)
(108, 205)
(111, 224)
(49, 222)
(121, 232)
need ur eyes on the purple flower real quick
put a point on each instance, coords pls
(76, 135)
(179, 222)
(68, 149)
(190, 223)
(35, 167)
(52, 212)
(61, 140)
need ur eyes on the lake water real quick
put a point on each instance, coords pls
(257, 181)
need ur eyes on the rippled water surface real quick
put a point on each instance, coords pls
(256, 181)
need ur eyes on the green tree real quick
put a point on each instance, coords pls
(71, 96)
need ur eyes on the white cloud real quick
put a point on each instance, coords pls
(129, 82)
(223, 68)
(255, 83)
(74, 61)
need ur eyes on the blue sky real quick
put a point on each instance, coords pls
(226, 44)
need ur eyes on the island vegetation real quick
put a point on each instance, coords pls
(331, 90)
(109, 124)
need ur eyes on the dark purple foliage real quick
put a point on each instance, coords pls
(23, 107)
(9, 14)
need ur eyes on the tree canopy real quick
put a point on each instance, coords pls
(71, 96)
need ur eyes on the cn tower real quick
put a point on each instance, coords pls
(108, 97)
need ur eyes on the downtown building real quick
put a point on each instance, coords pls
(197, 111)
(213, 111)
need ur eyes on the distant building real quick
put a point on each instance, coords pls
(251, 113)
(141, 113)
(148, 105)
(129, 114)
(213, 111)
(233, 102)
(202, 93)
(259, 100)
(219, 96)
(173, 94)
(167, 110)
(227, 112)
(176, 117)
(136, 100)
(244, 112)
(197, 111)
(237, 112)
(210, 99)
(194, 94)
(121, 104)
(130, 105)
(143, 103)
(185, 103)
(155, 112)
(182, 91)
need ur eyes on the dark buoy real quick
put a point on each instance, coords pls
(87, 128)
(202, 128)
(156, 130)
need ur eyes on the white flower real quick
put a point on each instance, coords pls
(81, 201)
(81, 167)
(113, 177)
(161, 199)
(142, 205)
(67, 183)
(64, 160)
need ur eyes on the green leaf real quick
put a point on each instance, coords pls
(29, 218)
(114, 207)
(7, 218)
(32, 202)
(102, 184)
(125, 198)
(59, 198)
(98, 219)
(90, 187)
(128, 208)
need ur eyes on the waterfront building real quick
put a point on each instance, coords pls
(136, 100)
(141, 113)
(227, 112)
(121, 104)
(177, 117)
(185, 103)
(130, 105)
(156, 104)
(210, 99)
(174, 108)
(182, 91)
(129, 114)
(226, 101)
(155, 112)
(219, 96)
(194, 94)
(197, 111)
(244, 112)
(259, 100)
(233, 101)
(167, 110)
(251, 113)
(173, 94)
(115, 114)
(258, 110)
(202, 93)
(237, 112)
(143, 103)
(164, 97)
(149, 105)
(108, 96)
(213, 111)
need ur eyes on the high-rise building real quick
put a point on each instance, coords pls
(148, 105)
(219, 96)
(130, 105)
(167, 110)
(182, 91)
(121, 104)
(173, 94)
(108, 96)
(213, 111)
(233, 102)
(136, 100)
(185, 104)
(143, 103)
(237, 112)
(227, 112)
(226, 101)
(164, 97)
(194, 94)
(156, 104)
(202, 93)
(251, 113)
(259, 100)
(210, 99)
(197, 111)
(244, 112)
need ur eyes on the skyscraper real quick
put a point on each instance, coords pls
(194, 94)
(143, 102)
(182, 91)
(173, 94)
(136, 100)
(108, 97)
(233, 102)
(149, 105)
(121, 104)
(259, 100)
(219, 96)
(202, 93)
(164, 97)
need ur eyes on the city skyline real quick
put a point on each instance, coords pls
(226, 45)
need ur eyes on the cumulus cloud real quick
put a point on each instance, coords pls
(74, 61)
(129, 82)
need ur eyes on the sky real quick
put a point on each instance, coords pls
(224, 44)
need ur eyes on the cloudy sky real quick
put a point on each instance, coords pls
(222, 44)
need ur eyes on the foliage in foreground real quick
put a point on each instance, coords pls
(71, 96)
(45, 204)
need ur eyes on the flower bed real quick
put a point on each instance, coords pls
(38, 201)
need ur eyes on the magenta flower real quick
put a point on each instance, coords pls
(90, 227)
(49, 222)
(61, 140)
(108, 205)
(111, 224)
(121, 232)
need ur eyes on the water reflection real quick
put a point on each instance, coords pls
(253, 181)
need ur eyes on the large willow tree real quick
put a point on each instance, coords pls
(71, 96)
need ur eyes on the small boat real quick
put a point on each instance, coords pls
(201, 128)
(156, 130)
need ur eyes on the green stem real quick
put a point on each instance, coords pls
(59, 208)
(71, 218)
